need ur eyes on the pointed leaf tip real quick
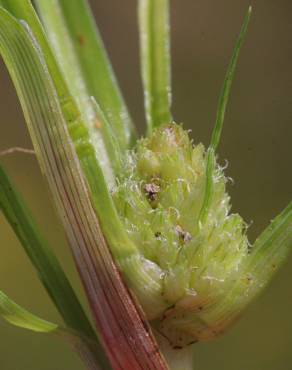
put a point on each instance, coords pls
(225, 93)
(18, 316)
(216, 134)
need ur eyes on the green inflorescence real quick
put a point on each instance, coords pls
(159, 199)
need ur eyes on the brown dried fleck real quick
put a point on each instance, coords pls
(151, 190)
(183, 235)
(97, 124)
(81, 40)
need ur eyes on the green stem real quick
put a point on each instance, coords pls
(155, 61)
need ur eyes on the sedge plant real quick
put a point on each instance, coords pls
(163, 261)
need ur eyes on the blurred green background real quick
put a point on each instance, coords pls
(257, 140)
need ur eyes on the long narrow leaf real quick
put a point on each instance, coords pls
(155, 60)
(127, 340)
(71, 25)
(216, 134)
(224, 97)
(42, 257)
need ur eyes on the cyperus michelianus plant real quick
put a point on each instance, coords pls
(155, 209)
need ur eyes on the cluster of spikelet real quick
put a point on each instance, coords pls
(159, 199)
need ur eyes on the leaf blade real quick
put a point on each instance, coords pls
(225, 93)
